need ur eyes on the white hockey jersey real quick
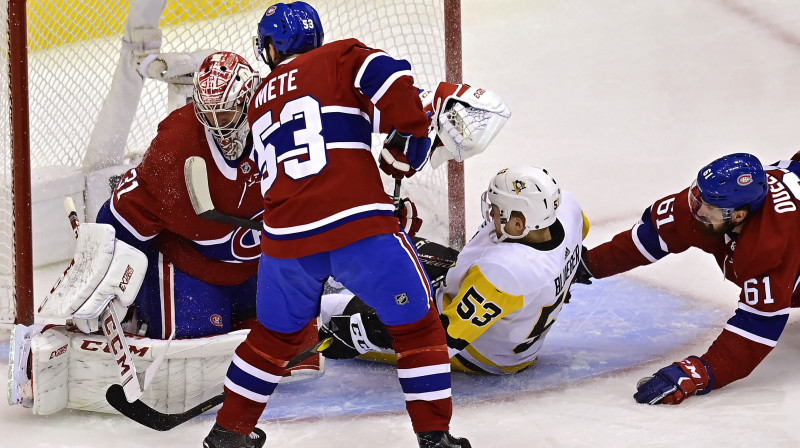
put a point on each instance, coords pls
(501, 298)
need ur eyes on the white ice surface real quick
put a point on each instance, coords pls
(623, 100)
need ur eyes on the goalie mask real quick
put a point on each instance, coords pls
(529, 190)
(223, 87)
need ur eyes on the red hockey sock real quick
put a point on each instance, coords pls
(423, 366)
(258, 365)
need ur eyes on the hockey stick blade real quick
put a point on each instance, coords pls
(310, 351)
(143, 414)
(196, 176)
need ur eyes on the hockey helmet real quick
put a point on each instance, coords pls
(223, 87)
(293, 28)
(729, 183)
(529, 190)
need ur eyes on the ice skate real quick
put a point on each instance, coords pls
(441, 439)
(220, 437)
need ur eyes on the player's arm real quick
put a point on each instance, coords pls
(388, 84)
(663, 229)
(753, 331)
(748, 337)
(477, 306)
(132, 211)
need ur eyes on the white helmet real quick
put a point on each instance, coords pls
(529, 190)
(223, 87)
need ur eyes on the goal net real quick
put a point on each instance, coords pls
(80, 121)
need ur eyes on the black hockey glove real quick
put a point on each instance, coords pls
(355, 332)
(583, 274)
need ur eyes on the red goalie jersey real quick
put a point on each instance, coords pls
(764, 260)
(151, 204)
(321, 185)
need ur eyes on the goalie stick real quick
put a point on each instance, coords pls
(196, 176)
(111, 325)
(143, 414)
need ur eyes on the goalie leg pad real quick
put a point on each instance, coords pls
(50, 353)
(73, 370)
(20, 387)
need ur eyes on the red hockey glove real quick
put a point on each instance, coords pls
(676, 382)
(403, 155)
(394, 163)
(407, 214)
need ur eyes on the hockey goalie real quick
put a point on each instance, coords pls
(182, 286)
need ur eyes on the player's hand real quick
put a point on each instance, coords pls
(342, 345)
(407, 214)
(403, 155)
(676, 382)
(583, 275)
(355, 334)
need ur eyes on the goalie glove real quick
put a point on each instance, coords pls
(465, 119)
(676, 382)
(403, 154)
(406, 212)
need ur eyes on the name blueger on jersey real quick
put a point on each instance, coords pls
(569, 269)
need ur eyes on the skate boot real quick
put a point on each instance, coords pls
(441, 439)
(220, 437)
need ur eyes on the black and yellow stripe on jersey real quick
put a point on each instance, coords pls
(478, 305)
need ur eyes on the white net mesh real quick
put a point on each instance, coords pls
(73, 51)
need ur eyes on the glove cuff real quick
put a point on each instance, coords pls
(710, 376)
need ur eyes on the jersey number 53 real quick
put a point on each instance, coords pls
(295, 141)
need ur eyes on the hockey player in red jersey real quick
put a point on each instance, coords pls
(201, 274)
(747, 217)
(326, 214)
(199, 277)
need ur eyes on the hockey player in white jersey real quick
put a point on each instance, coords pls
(502, 296)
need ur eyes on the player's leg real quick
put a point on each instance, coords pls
(172, 303)
(387, 274)
(288, 301)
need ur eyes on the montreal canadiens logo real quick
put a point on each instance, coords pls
(271, 10)
(216, 319)
(745, 179)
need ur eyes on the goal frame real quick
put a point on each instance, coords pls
(22, 240)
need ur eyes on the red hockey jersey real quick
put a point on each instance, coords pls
(312, 120)
(151, 202)
(763, 259)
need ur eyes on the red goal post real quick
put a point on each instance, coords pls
(64, 119)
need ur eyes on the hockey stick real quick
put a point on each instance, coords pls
(143, 414)
(111, 325)
(194, 170)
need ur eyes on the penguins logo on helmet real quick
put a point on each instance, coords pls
(519, 186)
